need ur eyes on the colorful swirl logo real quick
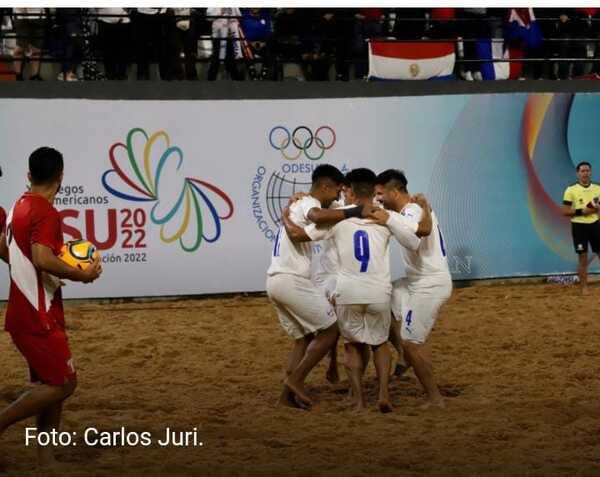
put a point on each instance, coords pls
(302, 141)
(549, 166)
(192, 212)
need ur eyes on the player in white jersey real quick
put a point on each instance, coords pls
(363, 288)
(303, 311)
(323, 273)
(417, 299)
(363, 291)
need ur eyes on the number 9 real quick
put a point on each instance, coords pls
(361, 249)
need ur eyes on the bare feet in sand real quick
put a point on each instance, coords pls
(287, 399)
(384, 406)
(400, 370)
(585, 291)
(433, 404)
(298, 389)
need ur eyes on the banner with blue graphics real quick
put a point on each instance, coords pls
(184, 197)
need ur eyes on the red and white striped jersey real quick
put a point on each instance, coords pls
(2, 220)
(35, 299)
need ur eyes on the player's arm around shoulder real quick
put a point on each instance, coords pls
(402, 228)
(330, 217)
(294, 231)
(321, 216)
(419, 206)
(44, 260)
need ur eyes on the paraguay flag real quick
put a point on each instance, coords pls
(400, 60)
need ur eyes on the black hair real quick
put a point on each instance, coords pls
(393, 178)
(346, 182)
(584, 163)
(327, 171)
(362, 181)
(45, 165)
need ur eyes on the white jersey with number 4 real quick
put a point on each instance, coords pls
(428, 262)
(287, 256)
(363, 250)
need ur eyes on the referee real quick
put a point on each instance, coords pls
(581, 203)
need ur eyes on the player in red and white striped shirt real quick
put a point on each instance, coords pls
(34, 316)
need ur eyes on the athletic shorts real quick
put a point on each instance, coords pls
(417, 308)
(584, 234)
(301, 307)
(369, 324)
(48, 357)
(326, 283)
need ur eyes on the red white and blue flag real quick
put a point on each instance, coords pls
(494, 49)
(401, 60)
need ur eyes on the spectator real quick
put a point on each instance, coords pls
(523, 31)
(339, 26)
(565, 29)
(187, 24)
(443, 25)
(7, 46)
(288, 33)
(30, 27)
(587, 26)
(65, 32)
(150, 27)
(368, 24)
(474, 27)
(258, 30)
(114, 30)
(411, 23)
(317, 43)
(226, 42)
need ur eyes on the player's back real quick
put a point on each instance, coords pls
(34, 305)
(27, 213)
(290, 257)
(364, 262)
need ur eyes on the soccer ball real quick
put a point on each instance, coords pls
(78, 253)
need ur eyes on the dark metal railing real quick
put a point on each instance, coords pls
(95, 57)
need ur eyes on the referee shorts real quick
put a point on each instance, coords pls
(584, 234)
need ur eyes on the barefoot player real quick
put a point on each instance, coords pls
(34, 316)
(416, 300)
(302, 309)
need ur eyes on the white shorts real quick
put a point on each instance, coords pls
(326, 283)
(417, 308)
(369, 324)
(302, 308)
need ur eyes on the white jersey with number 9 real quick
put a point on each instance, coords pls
(364, 262)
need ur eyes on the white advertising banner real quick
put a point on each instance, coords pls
(183, 197)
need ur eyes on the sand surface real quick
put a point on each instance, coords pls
(519, 364)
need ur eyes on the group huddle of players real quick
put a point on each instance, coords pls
(347, 289)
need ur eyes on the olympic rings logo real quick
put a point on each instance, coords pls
(302, 140)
